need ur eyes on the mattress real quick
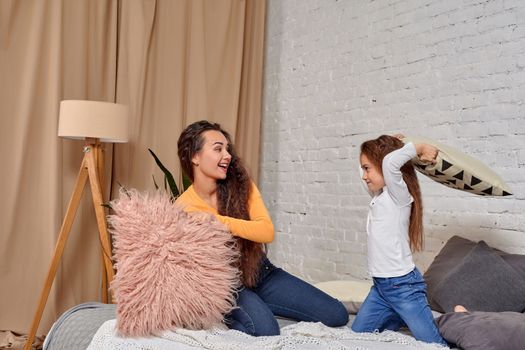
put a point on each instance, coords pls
(75, 327)
(84, 323)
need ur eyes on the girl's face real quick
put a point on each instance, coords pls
(213, 159)
(371, 174)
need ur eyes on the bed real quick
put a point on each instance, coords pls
(91, 325)
(464, 272)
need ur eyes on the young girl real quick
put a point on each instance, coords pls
(221, 186)
(395, 229)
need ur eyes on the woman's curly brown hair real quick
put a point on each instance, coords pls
(232, 193)
(375, 151)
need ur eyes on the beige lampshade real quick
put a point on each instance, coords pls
(93, 119)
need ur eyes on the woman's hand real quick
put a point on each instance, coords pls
(426, 153)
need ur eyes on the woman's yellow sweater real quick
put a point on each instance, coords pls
(258, 229)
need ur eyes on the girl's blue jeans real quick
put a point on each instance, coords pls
(395, 302)
(278, 293)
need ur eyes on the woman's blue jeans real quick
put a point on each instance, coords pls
(278, 293)
(395, 302)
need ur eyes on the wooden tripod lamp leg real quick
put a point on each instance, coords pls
(99, 160)
(96, 190)
(90, 168)
(59, 249)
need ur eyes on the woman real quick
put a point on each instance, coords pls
(221, 186)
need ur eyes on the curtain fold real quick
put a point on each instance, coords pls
(172, 62)
(50, 51)
(249, 111)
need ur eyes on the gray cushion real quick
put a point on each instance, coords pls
(484, 330)
(517, 261)
(449, 257)
(452, 253)
(482, 281)
(76, 327)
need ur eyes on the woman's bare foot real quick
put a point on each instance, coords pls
(460, 308)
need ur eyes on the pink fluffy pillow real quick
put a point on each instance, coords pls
(174, 269)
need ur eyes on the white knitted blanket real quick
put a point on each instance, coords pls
(302, 335)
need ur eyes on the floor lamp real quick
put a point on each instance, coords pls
(95, 122)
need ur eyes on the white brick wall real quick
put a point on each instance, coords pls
(341, 72)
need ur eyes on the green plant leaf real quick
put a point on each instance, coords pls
(168, 177)
(155, 182)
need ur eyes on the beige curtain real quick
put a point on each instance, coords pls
(172, 61)
(247, 136)
(183, 61)
(50, 50)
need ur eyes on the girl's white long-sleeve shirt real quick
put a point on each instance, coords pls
(389, 253)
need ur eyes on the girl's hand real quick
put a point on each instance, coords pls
(426, 153)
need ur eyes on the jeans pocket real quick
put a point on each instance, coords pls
(266, 268)
(407, 280)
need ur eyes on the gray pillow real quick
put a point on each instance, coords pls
(452, 253)
(449, 257)
(483, 330)
(517, 261)
(483, 281)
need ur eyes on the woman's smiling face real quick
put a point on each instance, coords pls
(213, 159)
